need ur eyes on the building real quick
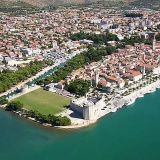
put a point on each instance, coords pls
(60, 84)
(89, 108)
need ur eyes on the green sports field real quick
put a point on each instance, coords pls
(44, 101)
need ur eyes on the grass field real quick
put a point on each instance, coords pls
(44, 101)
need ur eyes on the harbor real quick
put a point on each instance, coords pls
(112, 106)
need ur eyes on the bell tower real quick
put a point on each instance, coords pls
(154, 43)
(96, 78)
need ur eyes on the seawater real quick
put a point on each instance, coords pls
(132, 133)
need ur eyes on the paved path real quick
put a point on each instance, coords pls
(19, 85)
(22, 93)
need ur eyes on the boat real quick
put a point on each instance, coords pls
(151, 90)
(114, 110)
(141, 96)
(131, 101)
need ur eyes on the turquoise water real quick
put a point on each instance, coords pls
(132, 133)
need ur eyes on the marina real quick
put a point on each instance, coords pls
(114, 105)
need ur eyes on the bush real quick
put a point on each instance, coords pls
(15, 106)
(62, 121)
(3, 101)
(51, 119)
(79, 87)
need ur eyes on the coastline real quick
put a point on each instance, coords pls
(115, 104)
(118, 103)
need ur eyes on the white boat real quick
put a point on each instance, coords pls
(154, 89)
(114, 110)
(141, 96)
(151, 90)
(131, 101)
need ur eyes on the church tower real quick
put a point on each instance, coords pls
(144, 56)
(91, 80)
(154, 43)
(96, 78)
(144, 70)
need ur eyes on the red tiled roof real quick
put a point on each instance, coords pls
(61, 82)
(135, 73)
(102, 82)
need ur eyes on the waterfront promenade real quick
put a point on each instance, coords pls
(21, 84)
(30, 89)
(112, 106)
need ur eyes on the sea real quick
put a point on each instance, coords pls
(131, 133)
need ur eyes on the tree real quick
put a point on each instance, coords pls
(9, 78)
(15, 106)
(110, 49)
(3, 100)
(62, 121)
(97, 38)
(137, 39)
(79, 87)
(51, 119)
(40, 82)
(49, 62)
(158, 37)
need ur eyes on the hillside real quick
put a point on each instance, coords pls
(59, 2)
(154, 4)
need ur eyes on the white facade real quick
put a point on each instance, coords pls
(88, 108)
(121, 84)
(156, 70)
(88, 111)
(137, 78)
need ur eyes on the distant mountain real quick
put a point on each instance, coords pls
(132, 3)
(154, 4)
(59, 2)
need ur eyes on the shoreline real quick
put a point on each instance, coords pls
(113, 105)
(118, 103)
(130, 99)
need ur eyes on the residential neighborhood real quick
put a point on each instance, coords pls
(98, 55)
(46, 35)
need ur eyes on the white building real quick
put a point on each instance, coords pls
(135, 75)
(89, 108)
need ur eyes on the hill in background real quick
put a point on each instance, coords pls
(60, 2)
(153, 4)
